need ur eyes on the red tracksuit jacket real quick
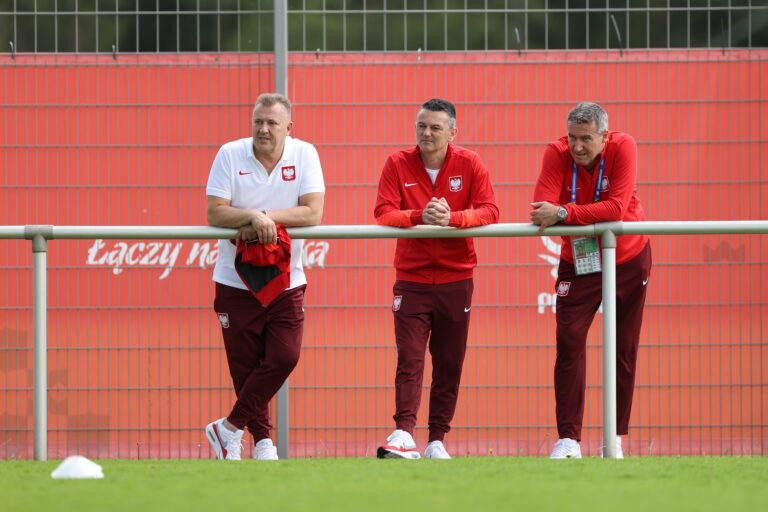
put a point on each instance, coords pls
(405, 188)
(618, 191)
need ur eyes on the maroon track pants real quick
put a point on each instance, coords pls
(575, 311)
(262, 346)
(438, 314)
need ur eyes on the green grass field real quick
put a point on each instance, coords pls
(469, 484)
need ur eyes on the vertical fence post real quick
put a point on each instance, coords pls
(40, 388)
(281, 47)
(609, 344)
(281, 86)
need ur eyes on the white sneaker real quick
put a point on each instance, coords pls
(400, 445)
(566, 448)
(436, 450)
(225, 443)
(619, 451)
(265, 450)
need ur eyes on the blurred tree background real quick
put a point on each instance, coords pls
(379, 25)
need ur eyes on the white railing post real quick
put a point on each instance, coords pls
(609, 344)
(281, 86)
(38, 235)
(281, 47)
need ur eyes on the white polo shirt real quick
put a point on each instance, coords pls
(236, 175)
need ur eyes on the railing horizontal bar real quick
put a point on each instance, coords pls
(12, 232)
(694, 227)
(314, 232)
(142, 232)
(363, 231)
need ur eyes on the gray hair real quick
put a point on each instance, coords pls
(269, 99)
(588, 113)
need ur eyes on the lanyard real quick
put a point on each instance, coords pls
(597, 187)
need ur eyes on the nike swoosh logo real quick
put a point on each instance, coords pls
(466, 310)
(244, 173)
(645, 282)
(410, 184)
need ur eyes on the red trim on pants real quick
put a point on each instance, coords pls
(438, 313)
(574, 314)
(262, 346)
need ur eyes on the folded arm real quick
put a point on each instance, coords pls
(257, 224)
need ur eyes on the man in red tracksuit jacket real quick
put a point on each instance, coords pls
(440, 184)
(590, 176)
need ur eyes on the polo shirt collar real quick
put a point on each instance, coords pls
(287, 149)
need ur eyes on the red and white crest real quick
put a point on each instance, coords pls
(289, 173)
(604, 184)
(563, 288)
(455, 183)
(396, 303)
(224, 320)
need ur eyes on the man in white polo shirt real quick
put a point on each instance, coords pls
(256, 184)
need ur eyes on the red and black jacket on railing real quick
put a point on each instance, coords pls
(265, 268)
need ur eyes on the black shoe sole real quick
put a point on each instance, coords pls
(383, 453)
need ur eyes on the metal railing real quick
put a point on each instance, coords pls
(40, 234)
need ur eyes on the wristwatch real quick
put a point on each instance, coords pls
(562, 214)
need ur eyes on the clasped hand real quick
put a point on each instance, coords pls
(437, 212)
(261, 228)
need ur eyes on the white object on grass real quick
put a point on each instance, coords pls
(77, 466)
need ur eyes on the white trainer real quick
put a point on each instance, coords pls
(566, 448)
(399, 445)
(619, 451)
(265, 450)
(436, 450)
(225, 443)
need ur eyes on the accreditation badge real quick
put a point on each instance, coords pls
(586, 255)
